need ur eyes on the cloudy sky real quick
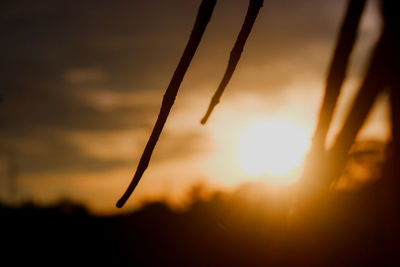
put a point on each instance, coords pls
(82, 82)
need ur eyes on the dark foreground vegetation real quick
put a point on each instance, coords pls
(244, 228)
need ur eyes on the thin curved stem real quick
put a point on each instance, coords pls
(336, 75)
(202, 19)
(375, 81)
(252, 12)
(337, 70)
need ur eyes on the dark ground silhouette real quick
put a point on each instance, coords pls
(245, 228)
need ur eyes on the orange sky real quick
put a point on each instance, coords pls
(83, 84)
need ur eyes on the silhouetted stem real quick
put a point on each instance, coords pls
(375, 81)
(395, 119)
(202, 19)
(383, 72)
(252, 12)
(318, 163)
(392, 22)
(337, 70)
(323, 167)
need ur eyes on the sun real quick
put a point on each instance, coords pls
(272, 147)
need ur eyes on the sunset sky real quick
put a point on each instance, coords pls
(82, 83)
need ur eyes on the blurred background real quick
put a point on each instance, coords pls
(82, 84)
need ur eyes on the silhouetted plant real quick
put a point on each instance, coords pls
(311, 178)
(203, 17)
(252, 12)
(323, 165)
(337, 71)
(382, 72)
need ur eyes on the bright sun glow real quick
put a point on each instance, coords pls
(272, 147)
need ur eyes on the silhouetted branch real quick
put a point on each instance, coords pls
(323, 167)
(395, 119)
(252, 12)
(377, 77)
(337, 71)
(393, 23)
(382, 72)
(202, 19)
(333, 161)
(319, 164)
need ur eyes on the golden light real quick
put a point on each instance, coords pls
(272, 147)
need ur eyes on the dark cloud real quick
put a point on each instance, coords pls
(55, 155)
